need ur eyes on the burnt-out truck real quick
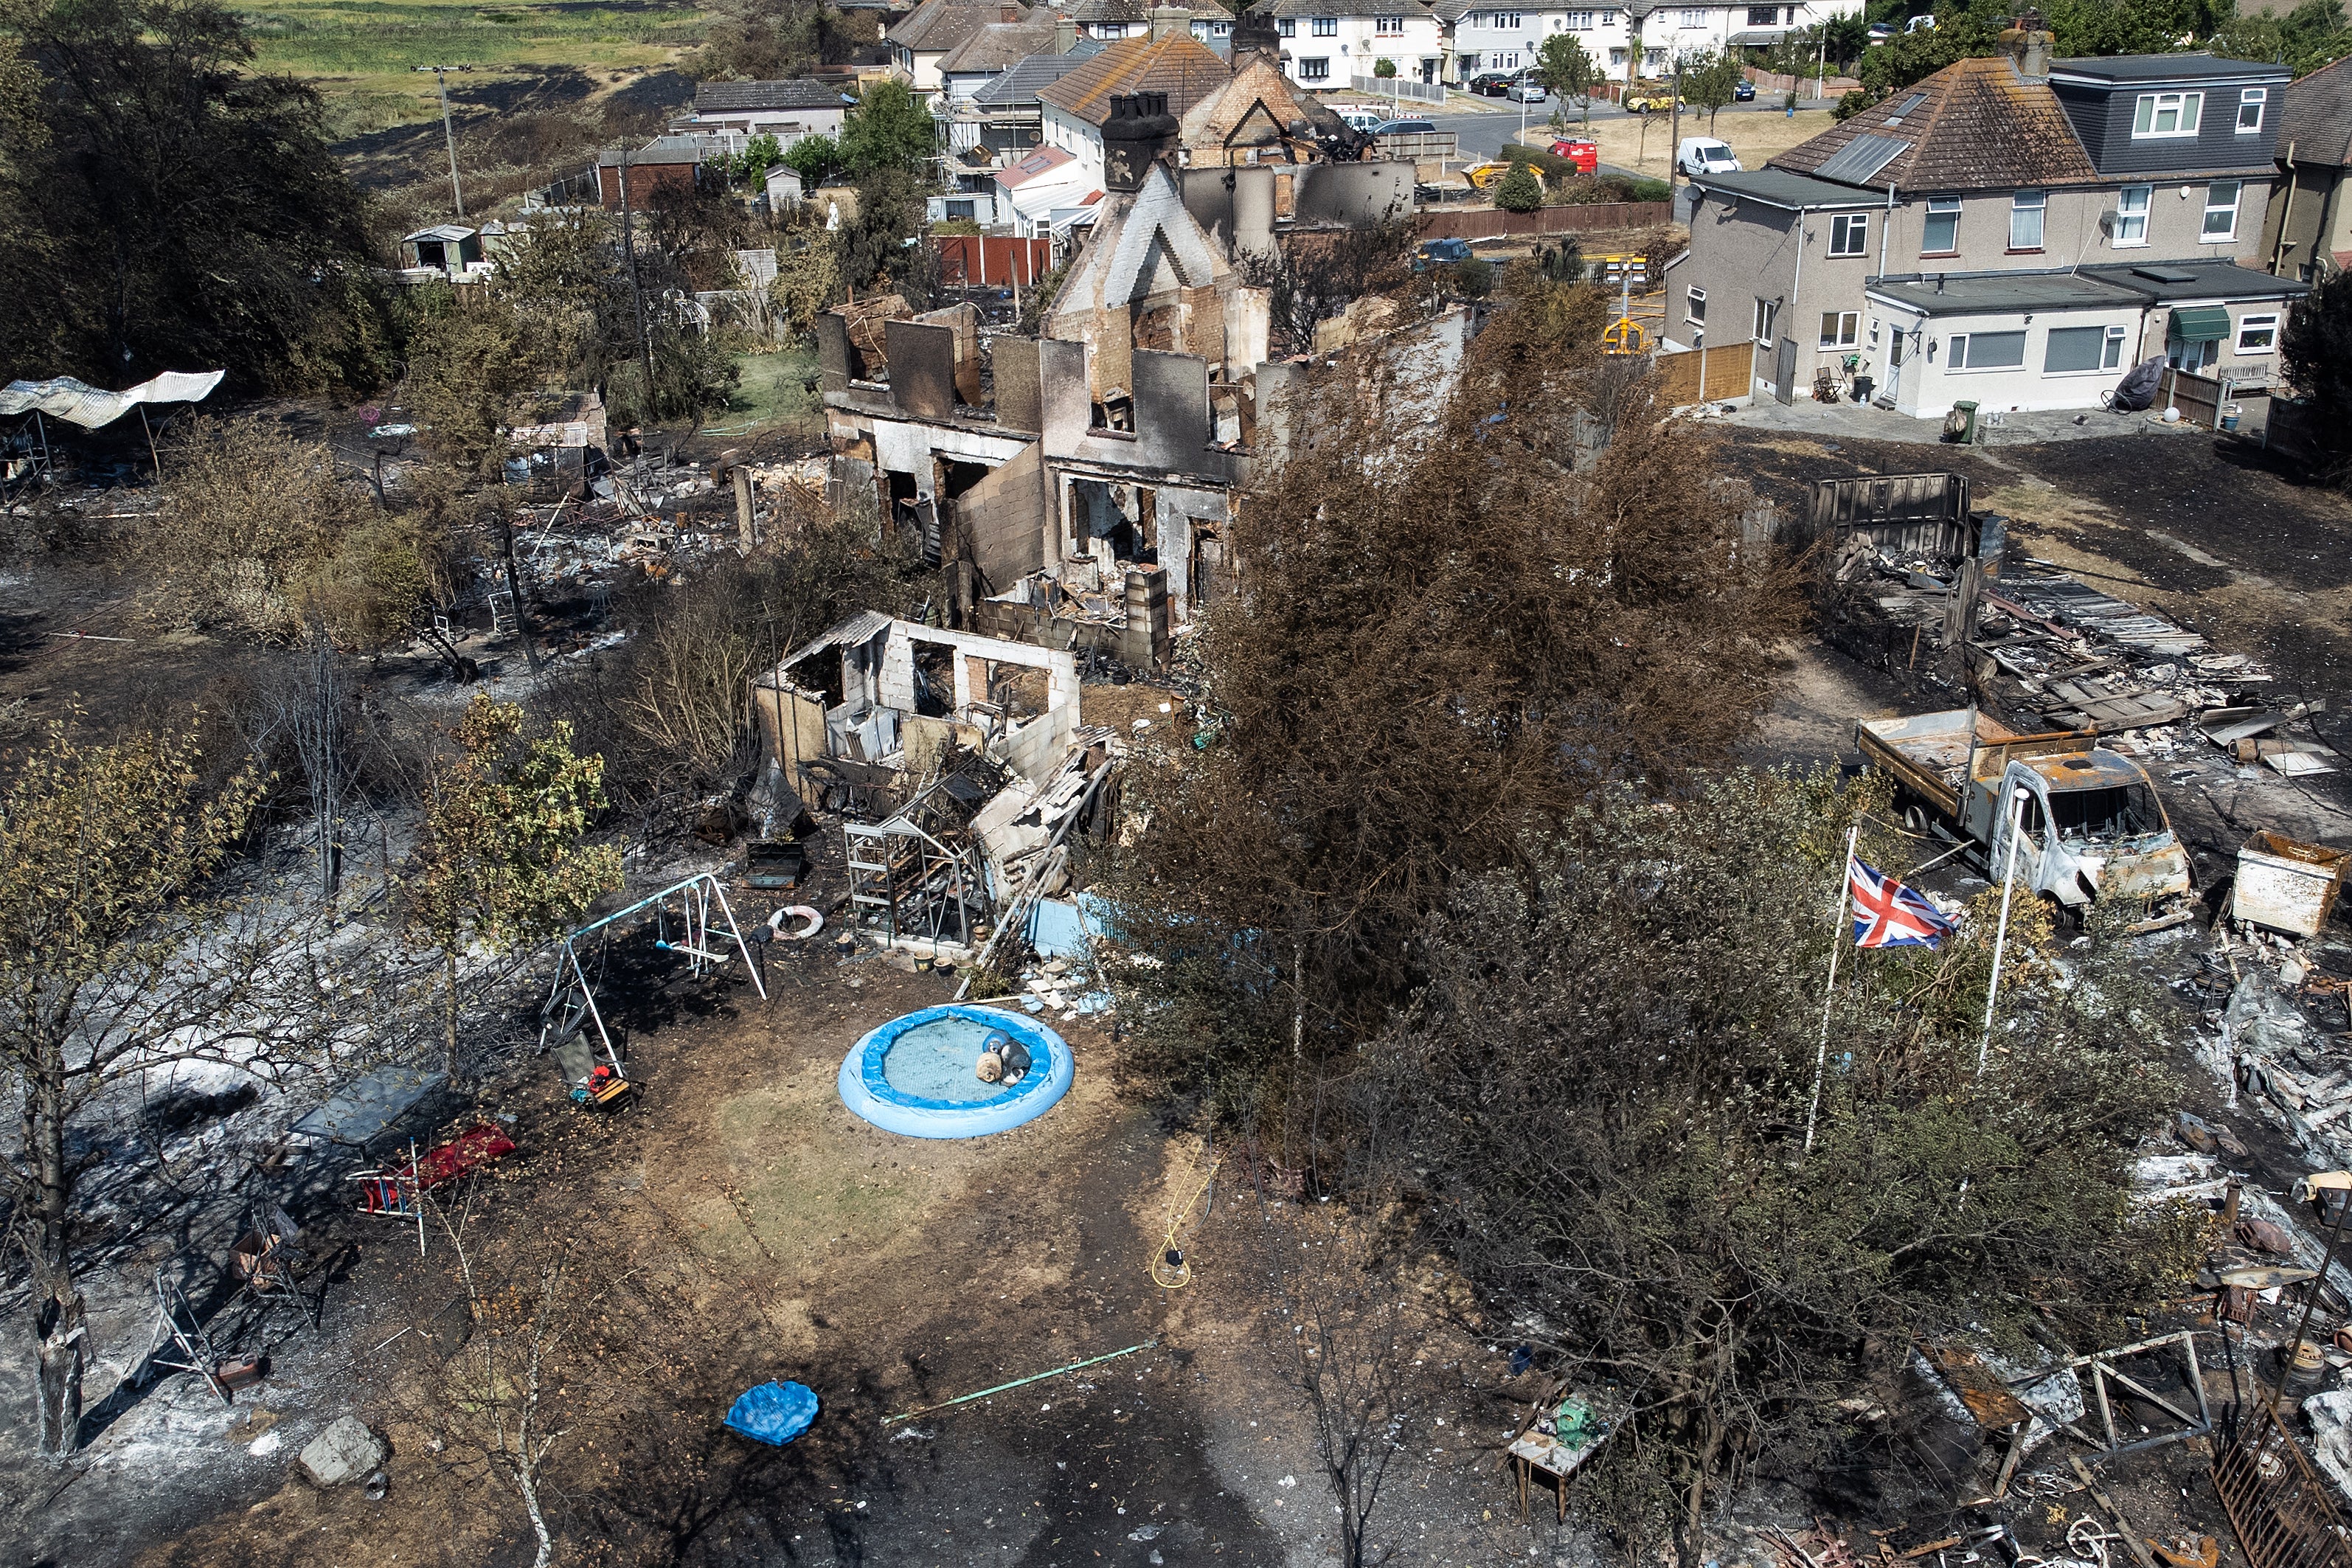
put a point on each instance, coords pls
(2083, 823)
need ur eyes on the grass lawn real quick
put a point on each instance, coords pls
(1648, 144)
(770, 393)
(360, 53)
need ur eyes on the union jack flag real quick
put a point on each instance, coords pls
(1889, 914)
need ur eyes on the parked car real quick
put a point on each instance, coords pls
(1642, 99)
(1881, 31)
(1705, 155)
(1491, 84)
(1441, 253)
(1403, 127)
(1585, 155)
(1920, 24)
(1525, 91)
(1362, 119)
(1745, 92)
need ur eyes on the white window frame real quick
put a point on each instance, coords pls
(2256, 99)
(1315, 67)
(2267, 323)
(1388, 27)
(1850, 234)
(1955, 346)
(2186, 109)
(1840, 329)
(2128, 237)
(2112, 357)
(2038, 204)
(2098, 364)
(1938, 207)
(2205, 234)
(1693, 16)
(1607, 19)
(1695, 305)
(1579, 21)
(1765, 321)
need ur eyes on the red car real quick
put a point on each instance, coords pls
(1585, 155)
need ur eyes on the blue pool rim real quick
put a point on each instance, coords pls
(868, 1093)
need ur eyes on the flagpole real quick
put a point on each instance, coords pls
(2001, 938)
(1837, 933)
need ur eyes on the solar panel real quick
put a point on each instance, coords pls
(1859, 161)
(1905, 107)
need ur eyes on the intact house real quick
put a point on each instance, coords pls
(728, 114)
(1003, 114)
(2309, 228)
(936, 29)
(1627, 43)
(1172, 64)
(1327, 44)
(1082, 498)
(2013, 231)
(1045, 193)
(986, 59)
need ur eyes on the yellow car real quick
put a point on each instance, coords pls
(1651, 101)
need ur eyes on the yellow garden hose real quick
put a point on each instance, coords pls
(1169, 1272)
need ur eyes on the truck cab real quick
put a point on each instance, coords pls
(2086, 826)
(2079, 822)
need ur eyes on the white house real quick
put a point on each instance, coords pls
(730, 113)
(1485, 40)
(1329, 43)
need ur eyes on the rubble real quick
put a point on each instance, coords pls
(346, 1451)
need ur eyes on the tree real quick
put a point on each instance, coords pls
(1709, 82)
(466, 369)
(1609, 1079)
(2317, 353)
(1568, 70)
(498, 859)
(1532, 589)
(891, 130)
(149, 142)
(121, 953)
(1519, 191)
(814, 157)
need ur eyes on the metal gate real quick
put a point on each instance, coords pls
(2277, 1501)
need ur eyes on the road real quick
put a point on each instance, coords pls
(1481, 134)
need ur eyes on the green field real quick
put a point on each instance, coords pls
(770, 393)
(360, 53)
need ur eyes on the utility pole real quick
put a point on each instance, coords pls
(629, 249)
(441, 79)
(1674, 128)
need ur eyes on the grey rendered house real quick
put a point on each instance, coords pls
(2015, 231)
(2310, 228)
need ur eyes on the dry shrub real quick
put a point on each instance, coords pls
(255, 511)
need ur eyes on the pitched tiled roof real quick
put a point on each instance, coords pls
(944, 23)
(1001, 44)
(1019, 84)
(2319, 116)
(1347, 8)
(1976, 124)
(798, 93)
(1177, 65)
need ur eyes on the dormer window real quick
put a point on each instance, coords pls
(2250, 110)
(2168, 114)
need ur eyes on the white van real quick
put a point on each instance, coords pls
(1704, 155)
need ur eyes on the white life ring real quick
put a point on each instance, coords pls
(815, 922)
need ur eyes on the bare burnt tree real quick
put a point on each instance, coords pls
(1336, 1329)
(1316, 274)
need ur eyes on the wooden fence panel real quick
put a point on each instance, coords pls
(1730, 374)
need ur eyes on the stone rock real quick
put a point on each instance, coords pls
(346, 1451)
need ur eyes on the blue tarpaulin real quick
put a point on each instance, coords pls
(774, 1413)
